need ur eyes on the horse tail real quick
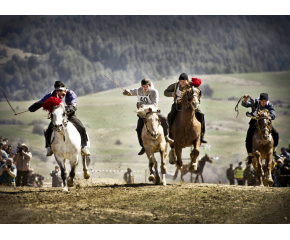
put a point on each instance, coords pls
(176, 173)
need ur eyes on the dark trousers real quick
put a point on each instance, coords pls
(240, 182)
(232, 181)
(251, 131)
(22, 178)
(171, 116)
(140, 124)
(76, 122)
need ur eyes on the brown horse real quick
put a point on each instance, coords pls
(198, 172)
(262, 146)
(186, 129)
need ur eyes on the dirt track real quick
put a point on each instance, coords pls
(91, 201)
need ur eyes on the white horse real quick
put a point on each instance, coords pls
(154, 141)
(66, 144)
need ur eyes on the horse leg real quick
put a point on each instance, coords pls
(259, 168)
(193, 155)
(196, 179)
(201, 178)
(151, 177)
(172, 156)
(86, 162)
(61, 164)
(178, 151)
(157, 177)
(182, 173)
(268, 167)
(163, 166)
(73, 165)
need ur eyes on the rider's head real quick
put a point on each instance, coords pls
(59, 87)
(263, 99)
(183, 80)
(146, 84)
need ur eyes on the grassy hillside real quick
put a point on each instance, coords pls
(109, 116)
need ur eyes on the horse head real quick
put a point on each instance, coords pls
(190, 98)
(264, 123)
(151, 121)
(58, 117)
(207, 158)
(55, 107)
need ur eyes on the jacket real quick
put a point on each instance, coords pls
(22, 160)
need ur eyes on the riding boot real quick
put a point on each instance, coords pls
(275, 153)
(139, 128)
(200, 117)
(164, 124)
(47, 135)
(85, 150)
(170, 118)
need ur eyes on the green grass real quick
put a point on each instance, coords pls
(109, 116)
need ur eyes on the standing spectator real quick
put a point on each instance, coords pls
(31, 178)
(285, 154)
(128, 176)
(2, 161)
(5, 148)
(230, 175)
(277, 173)
(22, 160)
(2, 152)
(9, 150)
(239, 174)
(250, 176)
(8, 173)
(285, 174)
(56, 178)
(5, 141)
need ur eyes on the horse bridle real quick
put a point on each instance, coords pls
(145, 122)
(267, 124)
(64, 123)
(191, 104)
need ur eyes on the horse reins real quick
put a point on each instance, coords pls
(191, 104)
(145, 122)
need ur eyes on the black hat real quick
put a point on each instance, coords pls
(183, 76)
(264, 96)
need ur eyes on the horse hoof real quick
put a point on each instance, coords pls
(65, 189)
(270, 181)
(151, 178)
(87, 175)
(70, 182)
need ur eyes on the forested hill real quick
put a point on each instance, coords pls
(79, 50)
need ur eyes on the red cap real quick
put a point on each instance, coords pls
(196, 82)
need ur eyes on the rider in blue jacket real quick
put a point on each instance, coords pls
(70, 99)
(261, 103)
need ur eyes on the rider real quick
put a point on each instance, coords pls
(175, 91)
(261, 103)
(70, 99)
(147, 95)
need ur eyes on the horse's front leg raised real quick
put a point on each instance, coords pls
(178, 151)
(86, 162)
(258, 166)
(163, 166)
(73, 165)
(193, 155)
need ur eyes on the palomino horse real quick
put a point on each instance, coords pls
(66, 144)
(262, 146)
(185, 169)
(153, 141)
(186, 129)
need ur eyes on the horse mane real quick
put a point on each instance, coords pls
(50, 103)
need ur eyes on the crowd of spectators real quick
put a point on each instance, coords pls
(15, 168)
(247, 176)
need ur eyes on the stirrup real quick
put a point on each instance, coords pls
(86, 151)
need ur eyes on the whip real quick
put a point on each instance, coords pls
(11, 106)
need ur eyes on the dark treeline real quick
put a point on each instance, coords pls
(79, 50)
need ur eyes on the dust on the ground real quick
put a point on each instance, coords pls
(97, 201)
